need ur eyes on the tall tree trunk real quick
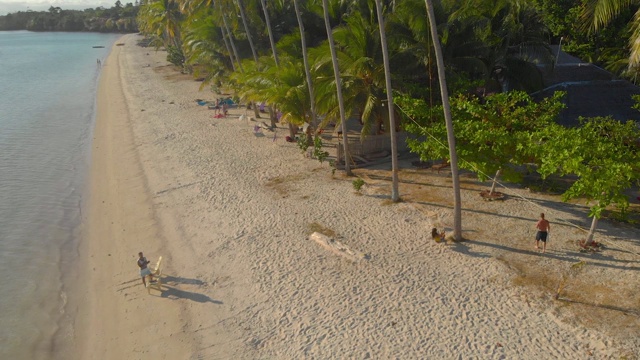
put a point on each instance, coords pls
(392, 121)
(336, 73)
(453, 157)
(307, 70)
(233, 44)
(226, 44)
(253, 49)
(272, 112)
(266, 19)
(246, 30)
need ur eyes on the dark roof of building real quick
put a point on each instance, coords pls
(591, 91)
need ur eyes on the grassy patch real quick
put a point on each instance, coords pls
(281, 183)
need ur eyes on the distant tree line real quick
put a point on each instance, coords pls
(119, 18)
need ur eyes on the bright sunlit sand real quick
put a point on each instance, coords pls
(231, 214)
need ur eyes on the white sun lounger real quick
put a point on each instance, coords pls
(157, 276)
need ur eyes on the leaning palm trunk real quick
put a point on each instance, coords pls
(307, 71)
(336, 73)
(253, 49)
(292, 129)
(453, 158)
(246, 30)
(233, 44)
(392, 121)
(266, 19)
(226, 44)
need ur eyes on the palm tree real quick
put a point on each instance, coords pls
(246, 29)
(203, 47)
(307, 70)
(228, 46)
(453, 158)
(266, 19)
(162, 18)
(361, 70)
(253, 49)
(230, 35)
(192, 7)
(336, 73)
(599, 13)
(387, 74)
(272, 113)
(504, 41)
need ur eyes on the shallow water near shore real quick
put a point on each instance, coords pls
(47, 100)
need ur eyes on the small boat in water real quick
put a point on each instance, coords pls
(98, 47)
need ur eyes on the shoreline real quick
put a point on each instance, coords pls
(230, 212)
(119, 212)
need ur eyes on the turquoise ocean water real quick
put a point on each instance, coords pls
(48, 84)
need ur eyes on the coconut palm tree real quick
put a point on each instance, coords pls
(453, 158)
(336, 73)
(162, 18)
(191, 7)
(268, 23)
(361, 70)
(599, 13)
(203, 47)
(307, 70)
(387, 74)
(246, 29)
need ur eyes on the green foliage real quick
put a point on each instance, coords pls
(303, 144)
(492, 133)
(318, 153)
(357, 184)
(603, 153)
(116, 19)
(573, 21)
(175, 56)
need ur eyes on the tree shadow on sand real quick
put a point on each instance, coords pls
(627, 311)
(565, 256)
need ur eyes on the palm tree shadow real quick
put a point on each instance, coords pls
(565, 256)
(462, 248)
(603, 306)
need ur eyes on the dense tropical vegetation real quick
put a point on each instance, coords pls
(317, 62)
(455, 74)
(119, 18)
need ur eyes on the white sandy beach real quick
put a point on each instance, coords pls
(231, 213)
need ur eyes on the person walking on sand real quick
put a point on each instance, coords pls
(144, 270)
(543, 228)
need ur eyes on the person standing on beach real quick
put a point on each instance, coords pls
(144, 270)
(543, 228)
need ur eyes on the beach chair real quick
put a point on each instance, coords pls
(157, 276)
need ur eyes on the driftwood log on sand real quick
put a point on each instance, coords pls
(336, 247)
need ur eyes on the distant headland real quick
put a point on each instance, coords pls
(117, 19)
